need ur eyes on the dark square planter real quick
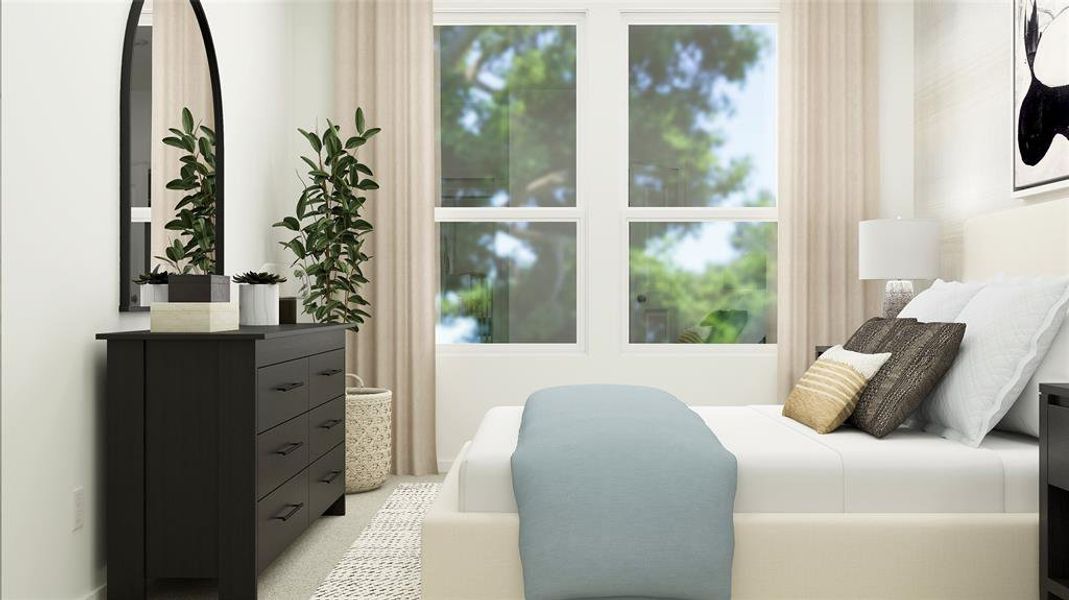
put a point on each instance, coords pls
(287, 310)
(198, 288)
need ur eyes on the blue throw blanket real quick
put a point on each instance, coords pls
(623, 492)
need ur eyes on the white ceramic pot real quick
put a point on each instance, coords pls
(152, 292)
(258, 304)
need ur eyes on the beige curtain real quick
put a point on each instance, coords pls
(828, 174)
(180, 78)
(385, 64)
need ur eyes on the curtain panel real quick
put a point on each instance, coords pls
(828, 175)
(385, 64)
(180, 79)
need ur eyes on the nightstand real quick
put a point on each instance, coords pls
(1054, 491)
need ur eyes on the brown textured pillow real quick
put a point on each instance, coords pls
(921, 353)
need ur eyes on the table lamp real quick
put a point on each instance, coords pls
(898, 250)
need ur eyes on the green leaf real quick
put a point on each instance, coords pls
(296, 247)
(313, 139)
(359, 120)
(311, 165)
(289, 223)
(370, 133)
(179, 184)
(176, 142)
(187, 120)
(355, 142)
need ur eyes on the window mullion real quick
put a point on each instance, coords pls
(449, 214)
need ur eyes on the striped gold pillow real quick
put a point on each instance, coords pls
(827, 393)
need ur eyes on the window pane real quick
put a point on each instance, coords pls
(507, 282)
(507, 129)
(703, 283)
(702, 115)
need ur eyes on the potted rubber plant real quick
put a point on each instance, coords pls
(152, 286)
(192, 254)
(329, 225)
(258, 298)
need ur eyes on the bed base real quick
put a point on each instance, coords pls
(474, 556)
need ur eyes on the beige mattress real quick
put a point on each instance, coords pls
(785, 467)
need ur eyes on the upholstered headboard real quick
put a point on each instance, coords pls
(1028, 240)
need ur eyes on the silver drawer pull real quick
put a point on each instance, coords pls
(330, 477)
(329, 424)
(330, 372)
(294, 509)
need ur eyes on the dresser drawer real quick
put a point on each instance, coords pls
(280, 518)
(281, 453)
(1058, 446)
(281, 393)
(326, 374)
(326, 481)
(326, 427)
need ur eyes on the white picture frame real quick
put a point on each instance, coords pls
(1040, 166)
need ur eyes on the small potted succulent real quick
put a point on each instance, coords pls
(258, 298)
(153, 286)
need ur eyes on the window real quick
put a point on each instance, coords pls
(702, 165)
(559, 166)
(507, 141)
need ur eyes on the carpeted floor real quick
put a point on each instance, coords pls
(297, 573)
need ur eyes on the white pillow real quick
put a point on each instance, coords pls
(1008, 330)
(942, 302)
(1023, 417)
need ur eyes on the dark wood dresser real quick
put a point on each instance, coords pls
(221, 449)
(1054, 491)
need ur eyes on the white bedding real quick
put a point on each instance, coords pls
(785, 467)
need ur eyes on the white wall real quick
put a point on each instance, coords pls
(964, 107)
(59, 246)
(60, 241)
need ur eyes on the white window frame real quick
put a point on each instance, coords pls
(468, 15)
(688, 214)
(577, 13)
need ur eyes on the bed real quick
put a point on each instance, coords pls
(843, 515)
(785, 467)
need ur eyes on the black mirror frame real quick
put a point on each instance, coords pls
(125, 276)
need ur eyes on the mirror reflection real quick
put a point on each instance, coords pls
(171, 204)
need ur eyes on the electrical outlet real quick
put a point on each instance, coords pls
(79, 508)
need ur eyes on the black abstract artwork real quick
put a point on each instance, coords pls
(1041, 93)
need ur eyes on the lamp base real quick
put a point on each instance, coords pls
(896, 295)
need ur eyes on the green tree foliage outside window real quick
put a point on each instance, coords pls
(507, 138)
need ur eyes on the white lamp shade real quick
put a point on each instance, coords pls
(898, 249)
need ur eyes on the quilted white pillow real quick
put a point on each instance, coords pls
(942, 302)
(1023, 417)
(1008, 330)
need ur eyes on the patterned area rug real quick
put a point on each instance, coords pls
(384, 562)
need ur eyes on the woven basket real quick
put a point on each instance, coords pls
(368, 416)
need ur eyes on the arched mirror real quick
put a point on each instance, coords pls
(171, 146)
